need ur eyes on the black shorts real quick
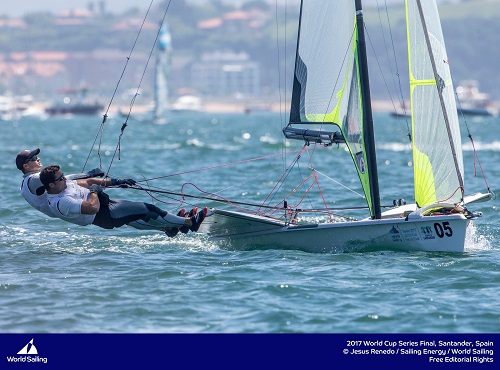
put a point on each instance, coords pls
(116, 213)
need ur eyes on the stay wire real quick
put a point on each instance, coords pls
(278, 64)
(279, 61)
(224, 165)
(105, 116)
(475, 154)
(218, 198)
(124, 126)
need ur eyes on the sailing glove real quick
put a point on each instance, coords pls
(124, 182)
(96, 172)
(95, 189)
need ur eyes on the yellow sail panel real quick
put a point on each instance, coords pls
(334, 115)
(425, 187)
(425, 191)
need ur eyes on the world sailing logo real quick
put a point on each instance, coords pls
(26, 355)
(28, 349)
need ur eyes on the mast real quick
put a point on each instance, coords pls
(369, 138)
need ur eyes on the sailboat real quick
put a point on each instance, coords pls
(163, 55)
(330, 104)
(162, 71)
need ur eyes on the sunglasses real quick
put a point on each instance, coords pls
(60, 178)
(32, 159)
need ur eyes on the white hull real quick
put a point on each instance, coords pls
(240, 231)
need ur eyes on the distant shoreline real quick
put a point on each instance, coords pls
(221, 106)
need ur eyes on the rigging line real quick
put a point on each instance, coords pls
(153, 189)
(278, 184)
(277, 207)
(225, 165)
(279, 60)
(408, 129)
(300, 172)
(118, 145)
(282, 119)
(469, 135)
(398, 87)
(223, 200)
(279, 75)
(292, 192)
(461, 188)
(99, 131)
(283, 176)
(313, 170)
(285, 52)
(281, 181)
(382, 74)
(218, 198)
(322, 196)
(476, 156)
(338, 183)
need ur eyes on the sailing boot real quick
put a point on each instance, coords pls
(198, 219)
(185, 229)
(174, 230)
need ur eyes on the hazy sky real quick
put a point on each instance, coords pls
(16, 8)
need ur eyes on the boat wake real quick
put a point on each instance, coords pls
(475, 241)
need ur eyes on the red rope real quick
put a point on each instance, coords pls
(476, 156)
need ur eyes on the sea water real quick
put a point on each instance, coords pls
(57, 277)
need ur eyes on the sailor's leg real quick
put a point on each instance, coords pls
(142, 216)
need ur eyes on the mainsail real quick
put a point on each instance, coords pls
(437, 154)
(162, 69)
(327, 82)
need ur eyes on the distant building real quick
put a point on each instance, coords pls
(222, 74)
(237, 21)
(43, 72)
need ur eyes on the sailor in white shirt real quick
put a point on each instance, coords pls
(83, 202)
(32, 189)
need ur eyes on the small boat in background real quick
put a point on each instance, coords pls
(75, 102)
(472, 102)
(187, 103)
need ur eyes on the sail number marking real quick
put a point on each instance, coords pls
(443, 229)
